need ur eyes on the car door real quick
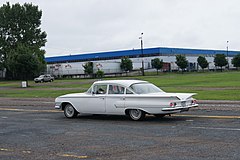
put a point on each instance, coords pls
(115, 99)
(46, 78)
(96, 102)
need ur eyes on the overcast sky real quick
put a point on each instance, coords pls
(86, 26)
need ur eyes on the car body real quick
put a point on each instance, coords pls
(134, 98)
(44, 78)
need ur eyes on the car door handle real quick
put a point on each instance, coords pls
(123, 98)
(101, 98)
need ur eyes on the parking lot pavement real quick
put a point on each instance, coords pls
(39, 132)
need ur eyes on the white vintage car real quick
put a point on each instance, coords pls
(133, 98)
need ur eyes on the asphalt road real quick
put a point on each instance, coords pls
(32, 129)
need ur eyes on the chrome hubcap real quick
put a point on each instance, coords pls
(136, 114)
(69, 111)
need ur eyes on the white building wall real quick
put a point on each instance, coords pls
(60, 69)
(113, 66)
(108, 66)
(76, 68)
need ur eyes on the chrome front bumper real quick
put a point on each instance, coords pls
(57, 105)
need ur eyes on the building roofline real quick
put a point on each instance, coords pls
(136, 53)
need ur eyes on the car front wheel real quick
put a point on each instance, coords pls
(70, 112)
(136, 114)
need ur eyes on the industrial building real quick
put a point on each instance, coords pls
(109, 62)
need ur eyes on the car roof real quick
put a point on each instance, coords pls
(125, 83)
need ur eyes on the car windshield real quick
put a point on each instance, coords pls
(145, 88)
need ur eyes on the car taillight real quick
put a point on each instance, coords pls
(194, 101)
(173, 104)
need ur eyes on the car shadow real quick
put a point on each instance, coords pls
(121, 118)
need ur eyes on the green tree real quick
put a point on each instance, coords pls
(126, 64)
(203, 63)
(24, 63)
(181, 61)
(157, 63)
(88, 68)
(1, 66)
(99, 74)
(19, 30)
(236, 61)
(220, 60)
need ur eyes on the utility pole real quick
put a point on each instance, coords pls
(141, 41)
(227, 55)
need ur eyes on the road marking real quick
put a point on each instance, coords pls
(4, 149)
(189, 120)
(211, 128)
(207, 116)
(10, 150)
(73, 156)
(28, 152)
(27, 110)
(4, 117)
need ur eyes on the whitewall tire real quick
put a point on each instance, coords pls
(136, 114)
(70, 112)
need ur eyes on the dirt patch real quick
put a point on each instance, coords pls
(45, 102)
(49, 102)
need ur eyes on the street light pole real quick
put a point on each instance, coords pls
(141, 40)
(227, 55)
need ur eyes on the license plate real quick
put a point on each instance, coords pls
(183, 103)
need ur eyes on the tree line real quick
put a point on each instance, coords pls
(220, 60)
(182, 62)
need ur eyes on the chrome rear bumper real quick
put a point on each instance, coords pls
(179, 108)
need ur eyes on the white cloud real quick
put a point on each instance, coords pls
(103, 25)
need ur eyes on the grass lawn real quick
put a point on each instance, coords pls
(209, 85)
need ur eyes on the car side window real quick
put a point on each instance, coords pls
(89, 91)
(100, 89)
(129, 92)
(115, 89)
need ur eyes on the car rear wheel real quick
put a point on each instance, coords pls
(70, 112)
(136, 114)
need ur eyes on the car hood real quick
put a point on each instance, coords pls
(72, 95)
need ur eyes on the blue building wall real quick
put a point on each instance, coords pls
(159, 51)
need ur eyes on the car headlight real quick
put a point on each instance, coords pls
(57, 103)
